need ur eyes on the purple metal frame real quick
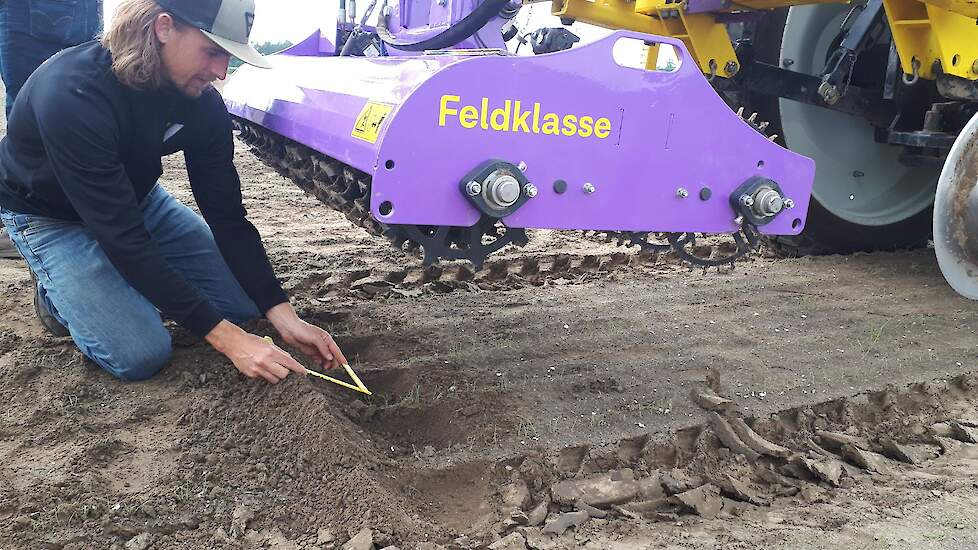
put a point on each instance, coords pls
(669, 136)
(415, 21)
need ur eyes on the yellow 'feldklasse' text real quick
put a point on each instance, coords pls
(512, 118)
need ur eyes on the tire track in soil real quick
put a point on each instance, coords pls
(468, 384)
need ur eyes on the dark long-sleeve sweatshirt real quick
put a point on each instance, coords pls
(80, 146)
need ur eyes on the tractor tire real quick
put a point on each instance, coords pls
(830, 230)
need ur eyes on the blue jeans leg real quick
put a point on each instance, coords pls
(110, 322)
(33, 30)
(189, 247)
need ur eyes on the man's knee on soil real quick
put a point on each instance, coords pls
(141, 361)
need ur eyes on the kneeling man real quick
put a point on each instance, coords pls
(108, 247)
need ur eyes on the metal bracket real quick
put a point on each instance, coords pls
(859, 37)
(743, 200)
(476, 186)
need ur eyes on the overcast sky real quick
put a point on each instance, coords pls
(277, 20)
(293, 20)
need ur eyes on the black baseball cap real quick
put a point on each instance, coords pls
(227, 22)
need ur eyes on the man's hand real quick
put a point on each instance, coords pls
(253, 355)
(313, 341)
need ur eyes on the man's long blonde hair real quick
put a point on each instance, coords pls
(131, 39)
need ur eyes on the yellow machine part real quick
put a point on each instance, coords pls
(967, 8)
(938, 30)
(925, 33)
(610, 14)
(706, 40)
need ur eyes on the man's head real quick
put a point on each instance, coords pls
(185, 44)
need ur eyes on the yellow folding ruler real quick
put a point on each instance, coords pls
(353, 376)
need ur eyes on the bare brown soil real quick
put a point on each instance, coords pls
(499, 380)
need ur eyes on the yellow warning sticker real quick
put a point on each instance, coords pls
(371, 118)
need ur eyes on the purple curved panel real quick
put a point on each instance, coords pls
(661, 132)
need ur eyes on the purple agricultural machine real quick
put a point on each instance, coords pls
(425, 129)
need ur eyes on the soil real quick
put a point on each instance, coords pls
(489, 390)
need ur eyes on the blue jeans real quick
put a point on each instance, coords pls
(110, 321)
(33, 30)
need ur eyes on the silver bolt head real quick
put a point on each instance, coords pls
(682, 193)
(503, 191)
(530, 190)
(789, 204)
(473, 188)
(589, 188)
(521, 166)
(747, 200)
(767, 202)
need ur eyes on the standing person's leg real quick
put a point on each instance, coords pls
(110, 322)
(31, 32)
(3, 37)
(38, 29)
(189, 247)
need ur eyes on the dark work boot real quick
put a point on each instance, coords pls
(44, 315)
(7, 248)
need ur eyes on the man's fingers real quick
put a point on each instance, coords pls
(277, 369)
(268, 376)
(323, 347)
(287, 362)
(330, 351)
(338, 357)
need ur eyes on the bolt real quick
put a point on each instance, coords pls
(789, 204)
(858, 173)
(521, 166)
(442, 2)
(731, 68)
(767, 202)
(682, 193)
(503, 190)
(473, 188)
(588, 188)
(829, 93)
(530, 190)
(852, 197)
(787, 63)
(388, 10)
(747, 200)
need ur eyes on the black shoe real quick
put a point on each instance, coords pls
(47, 319)
(7, 248)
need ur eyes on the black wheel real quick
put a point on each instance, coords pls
(863, 198)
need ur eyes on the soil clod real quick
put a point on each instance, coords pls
(726, 435)
(364, 540)
(755, 441)
(868, 460)
(564, 522)
(599, 491)
(704, 501)
(512, 541)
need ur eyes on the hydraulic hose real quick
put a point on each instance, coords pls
(469, 25)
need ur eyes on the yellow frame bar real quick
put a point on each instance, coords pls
(926, 33)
